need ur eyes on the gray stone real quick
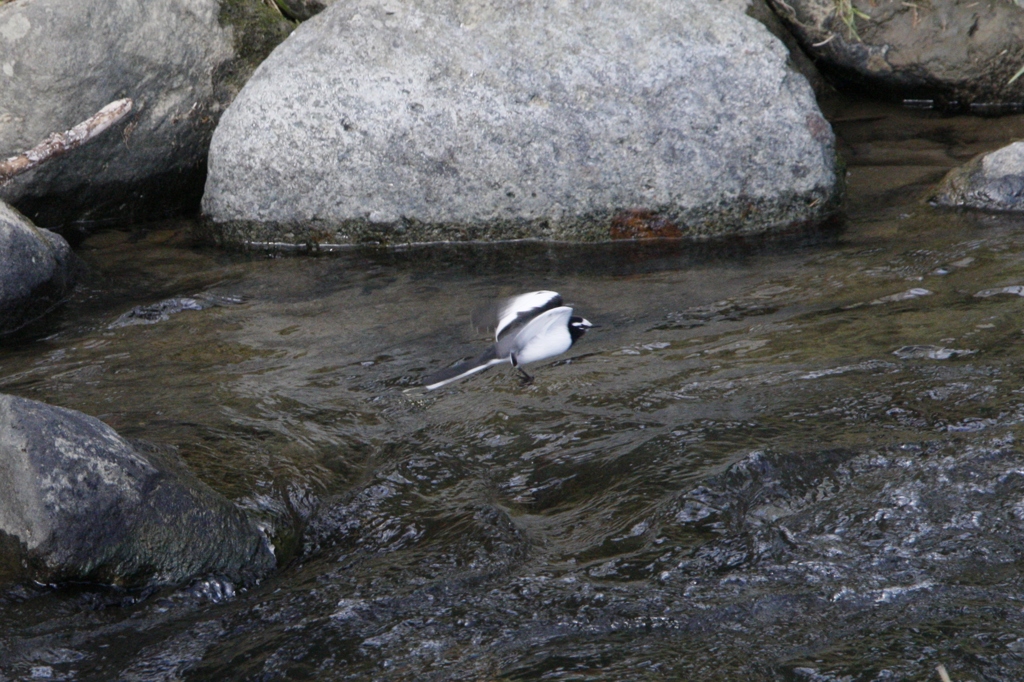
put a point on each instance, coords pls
(62, 60)
(988, 182)
(37, 270)
(79, 502)
(454, 120)
(798, 59)
(959, 55)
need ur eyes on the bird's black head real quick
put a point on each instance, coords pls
(578, 327)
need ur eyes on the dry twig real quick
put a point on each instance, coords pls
(60, 143)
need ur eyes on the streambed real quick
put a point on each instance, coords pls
(789, 461)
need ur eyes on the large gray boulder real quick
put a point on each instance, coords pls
(949, 54)
(988, 182)
(62, 60)
(37, 270)
(79, 502)
(437, 120)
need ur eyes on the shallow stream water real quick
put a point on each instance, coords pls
(788, 461)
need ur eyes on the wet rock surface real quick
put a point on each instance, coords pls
(37, 270)
(948, 54)
(489, 122)
(80, 503)
(175, 60)
(989, 182)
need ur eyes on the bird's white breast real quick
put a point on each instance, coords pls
(543, 337)
(545, 347)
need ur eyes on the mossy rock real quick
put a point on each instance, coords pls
(257, 29)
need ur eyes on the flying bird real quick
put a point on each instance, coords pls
(527, 328)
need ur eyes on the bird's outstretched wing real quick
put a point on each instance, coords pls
(504, 316)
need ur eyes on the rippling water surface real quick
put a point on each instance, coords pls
(786, 462)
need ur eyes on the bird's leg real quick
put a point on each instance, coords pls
(526, 378)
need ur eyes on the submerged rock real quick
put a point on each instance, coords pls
(177, 62)
(950, 54)
(37, 270)
(79, 502)
(989, 182)
(434, 121)
(162, 310)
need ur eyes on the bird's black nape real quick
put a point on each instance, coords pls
(578, 327)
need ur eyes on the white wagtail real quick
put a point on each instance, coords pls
(527, 328)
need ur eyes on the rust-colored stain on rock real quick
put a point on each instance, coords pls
(643, 224)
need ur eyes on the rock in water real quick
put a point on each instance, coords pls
(988, 182)
(180, 62)
(451, 120)
(79, 502)
(945, 53)
(37, 270)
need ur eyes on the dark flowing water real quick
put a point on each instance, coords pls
(801, 462)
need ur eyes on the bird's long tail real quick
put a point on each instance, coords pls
(463, 369)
